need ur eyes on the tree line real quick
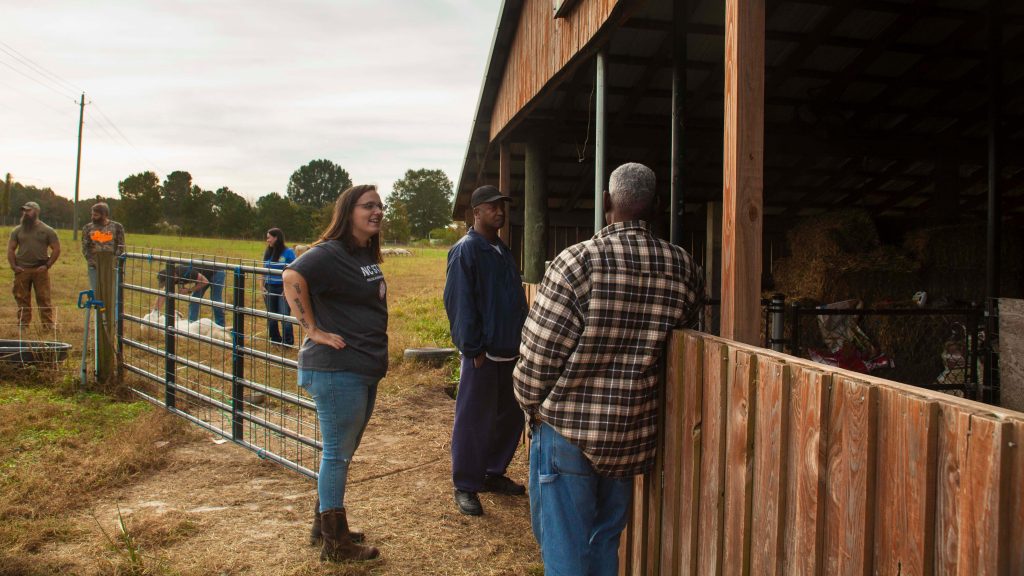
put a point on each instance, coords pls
(419, 205)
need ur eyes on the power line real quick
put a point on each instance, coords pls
(48, 120)
(26, 61)
(98, 125)
(125, 138)
(36, 80)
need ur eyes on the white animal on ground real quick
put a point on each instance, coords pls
(155, 317)
(395, 252)
(203, 326)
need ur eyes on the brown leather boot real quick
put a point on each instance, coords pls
(338, 545)
(315, 538)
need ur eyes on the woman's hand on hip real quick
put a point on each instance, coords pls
(326, 338)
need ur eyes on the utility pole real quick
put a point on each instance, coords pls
(78, 167)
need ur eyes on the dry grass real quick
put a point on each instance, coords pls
(84, 466)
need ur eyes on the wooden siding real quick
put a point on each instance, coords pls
(776, 465)
(542, 47)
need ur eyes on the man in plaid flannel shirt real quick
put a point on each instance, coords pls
(588, 374)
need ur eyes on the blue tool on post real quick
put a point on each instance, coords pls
(87, 302)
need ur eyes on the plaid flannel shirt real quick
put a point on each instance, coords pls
(594, 337)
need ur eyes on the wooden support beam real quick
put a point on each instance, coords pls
(505, 185)
(535, 212)
(743, 163)
(677, 159)
(600, 140)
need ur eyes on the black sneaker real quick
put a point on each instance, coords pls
(468, 503)
(503, 485)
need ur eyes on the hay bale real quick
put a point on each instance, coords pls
(884, 274)
(835, 234)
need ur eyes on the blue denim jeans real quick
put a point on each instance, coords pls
(276, 303)
(344, 403)
(216, 288)
(577, 515)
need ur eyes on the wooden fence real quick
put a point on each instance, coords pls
(771, 464)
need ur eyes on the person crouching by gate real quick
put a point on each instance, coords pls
(276, 257)
(338, 295)
(486, 306)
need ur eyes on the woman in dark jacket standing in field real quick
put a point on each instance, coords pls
(338, 295)
(276, 257)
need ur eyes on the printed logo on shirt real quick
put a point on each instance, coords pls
(372, 272)
(101, 236)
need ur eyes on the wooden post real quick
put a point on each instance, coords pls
(993, 238)
(600, 142)
(743, 162)
(505, 186)
(675, 210)
(535, 212)
(105, 318)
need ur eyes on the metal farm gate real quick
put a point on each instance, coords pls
(230, 380)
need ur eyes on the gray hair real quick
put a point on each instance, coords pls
(632, 187)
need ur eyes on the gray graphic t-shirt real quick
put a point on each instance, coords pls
(349, 298)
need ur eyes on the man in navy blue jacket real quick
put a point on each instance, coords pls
(486, 306)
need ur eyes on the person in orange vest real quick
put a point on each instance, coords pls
(101, 234)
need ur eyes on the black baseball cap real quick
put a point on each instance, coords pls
(485, 194)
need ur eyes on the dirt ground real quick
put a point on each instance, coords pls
(220, 509)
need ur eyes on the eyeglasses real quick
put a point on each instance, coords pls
(372, 205)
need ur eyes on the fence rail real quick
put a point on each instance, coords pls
(771, 464)
(231, 380)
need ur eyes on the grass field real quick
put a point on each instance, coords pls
(60, 446)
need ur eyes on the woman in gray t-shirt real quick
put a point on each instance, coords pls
(337, 293)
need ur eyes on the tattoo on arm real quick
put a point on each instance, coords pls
(298, 288)
(304, 324)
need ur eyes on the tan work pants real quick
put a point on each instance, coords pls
(24, 282)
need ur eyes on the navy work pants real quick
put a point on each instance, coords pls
(488, 423)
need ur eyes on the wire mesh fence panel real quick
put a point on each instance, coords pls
(196, 337)
(32, 342)
(937, 349)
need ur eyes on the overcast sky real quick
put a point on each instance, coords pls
(238, 93)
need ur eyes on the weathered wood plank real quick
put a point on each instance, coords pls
(805, 479)
(904, 522)
(770, 457)
(672, 450)
(852, 438)
(948, 478)
(712, 464)
(1015, 513)
(986, 473)
(690, 454)
(626, 547)
(739, 461)
(653, 542)
(641, 525)
(542, 49)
